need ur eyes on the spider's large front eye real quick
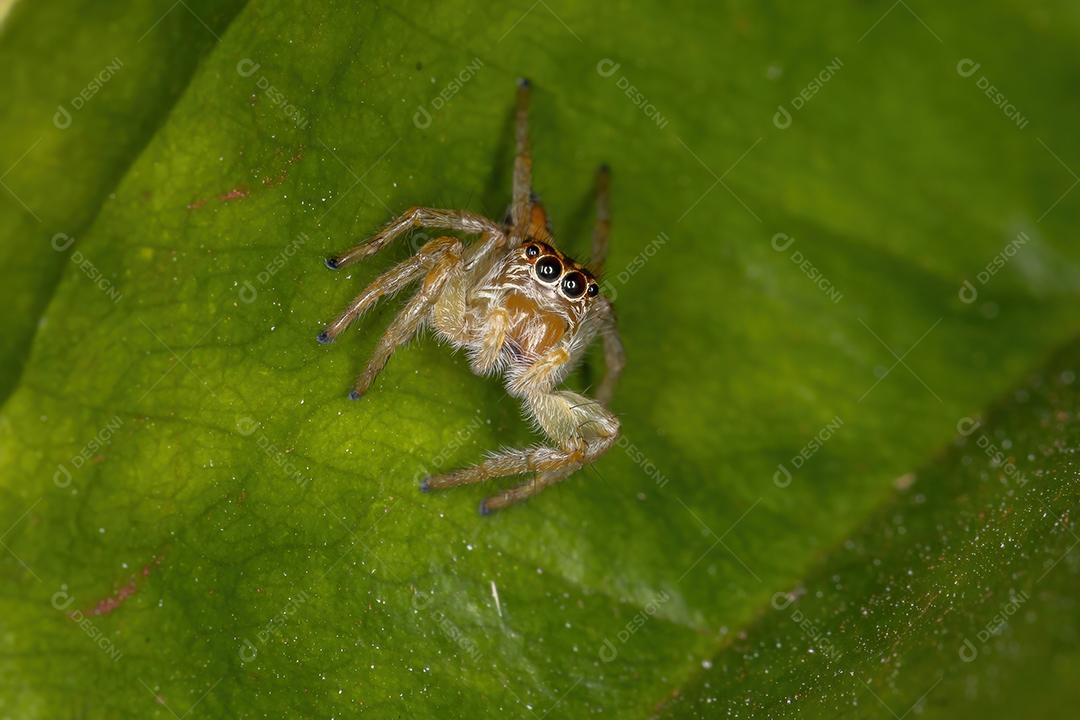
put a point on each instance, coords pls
(573, 285)
(532, 251)
(548, 268)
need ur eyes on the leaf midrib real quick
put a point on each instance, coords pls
(890, 498)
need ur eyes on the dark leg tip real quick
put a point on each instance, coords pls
(524, 82)
(424, 487)
(355, 394)
(484, 509)
(332, 263)
(604, 168)
(324, 338)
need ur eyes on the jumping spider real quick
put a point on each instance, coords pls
(519, 307)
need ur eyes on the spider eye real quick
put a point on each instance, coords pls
(548, 268)
(532, 251)
(573, 285)
(594, 290)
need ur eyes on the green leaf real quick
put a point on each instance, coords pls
(197, 521)
(86, 85)
(957, 598)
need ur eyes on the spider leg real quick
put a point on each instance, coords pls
(526, 490)
(486, 358)
(412, 316)
(539, 222)
(414, 217)
(389, 283)
(614, 356)
(582, 429)
(542, 375)
(479, 250)
(521, 202)
(509, 462)
(603, 220)
(539, 225)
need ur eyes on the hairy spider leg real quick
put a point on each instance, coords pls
(614, 355)
(416, 217)
(602, 230)
(582, 429)
(521, 198)
(389, 283)
(526, 490)
(446, 255)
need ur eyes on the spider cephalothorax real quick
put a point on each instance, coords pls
(519, 307)
(542, 296)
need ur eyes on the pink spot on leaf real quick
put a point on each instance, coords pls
(111, 603)
(267, 181)
(237, 193)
